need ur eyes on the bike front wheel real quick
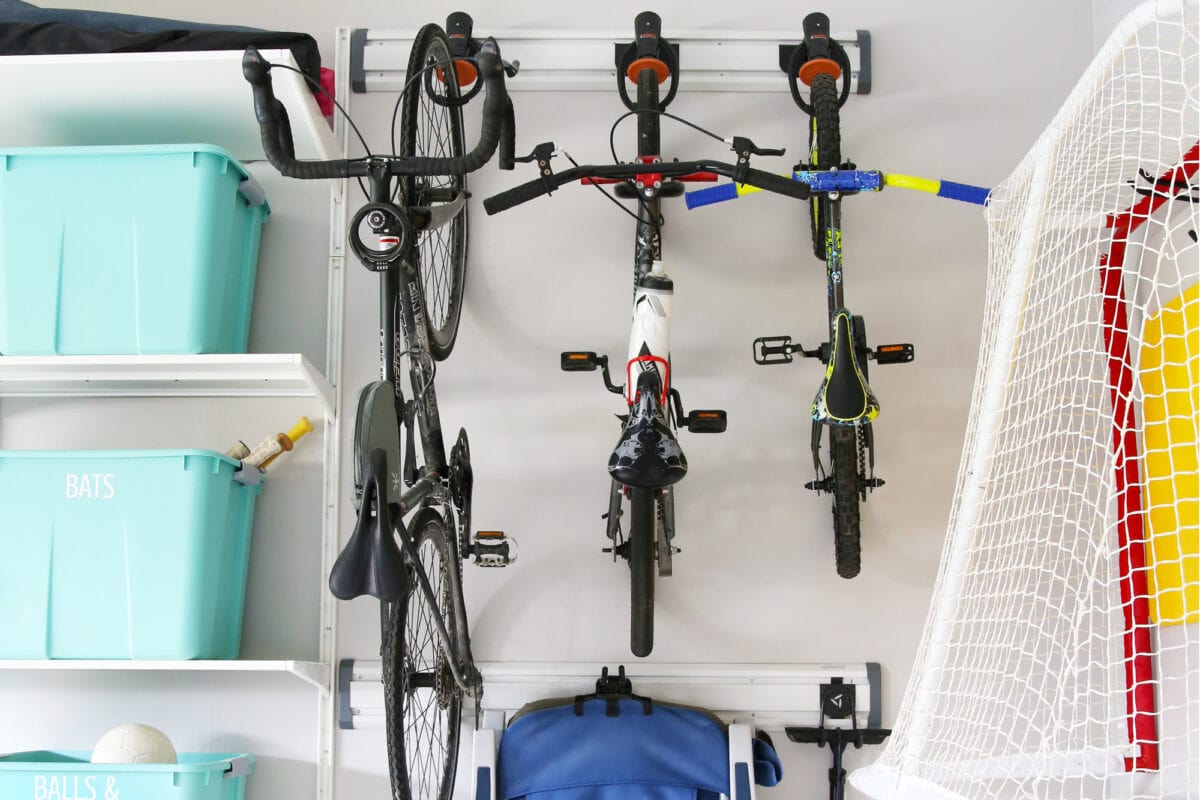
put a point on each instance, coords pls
(642, 566)
(843, 471)
(422, 701)
(825, 150)
(431, 126)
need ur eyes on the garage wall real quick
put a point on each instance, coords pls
(960, 91)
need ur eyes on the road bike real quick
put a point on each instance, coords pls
(413, 503)
(844, 407)
(647, 461)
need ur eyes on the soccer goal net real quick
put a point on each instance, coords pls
(1061, 658)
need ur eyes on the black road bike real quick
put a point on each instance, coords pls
(414, 504)
(647, 460)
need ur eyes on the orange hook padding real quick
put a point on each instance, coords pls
(819, 66)
(466, 72)
(659, 67)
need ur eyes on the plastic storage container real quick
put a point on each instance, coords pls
(69, 775)
(147, 249)
(137, 554)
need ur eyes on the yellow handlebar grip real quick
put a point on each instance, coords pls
(912, 182)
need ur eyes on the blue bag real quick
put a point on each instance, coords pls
(675, 752)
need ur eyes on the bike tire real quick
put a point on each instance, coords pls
(422, 702)
(825, 148)
(433, 129)
(642, 566)
(843, 469)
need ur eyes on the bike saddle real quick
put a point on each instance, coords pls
(371, 563)
(844, 396)
(648, 455)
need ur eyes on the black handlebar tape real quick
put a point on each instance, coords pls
(258, 75)
(778, 184)
(508, 139)
(514, 196)
(647, 28)
(495, 107)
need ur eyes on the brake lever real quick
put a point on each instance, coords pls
(511, 68)
(542, 154)
(744, 147)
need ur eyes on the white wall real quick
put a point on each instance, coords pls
(1105, 16)
(960, 91)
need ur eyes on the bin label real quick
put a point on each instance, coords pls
(73, 787)
(94, 486)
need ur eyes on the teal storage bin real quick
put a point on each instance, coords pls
(70, 775)
(123, 554)
(148, 249)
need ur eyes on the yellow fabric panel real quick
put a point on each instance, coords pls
(1170, 376)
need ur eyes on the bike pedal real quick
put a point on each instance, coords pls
(493, 549)
(706, 421)
(773, 350)
(894, 354)
(819, 486)
(873, 483)
(579, 361)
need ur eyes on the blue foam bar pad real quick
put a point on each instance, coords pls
(710, 195)
(964, 192)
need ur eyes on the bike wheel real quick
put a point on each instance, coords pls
(433, 129)
(843, 469)
(642, 566)
(423, 704)
(825, 148)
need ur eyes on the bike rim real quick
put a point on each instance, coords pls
(435, 130)
(431, 700)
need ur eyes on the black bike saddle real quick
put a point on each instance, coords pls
(371, 563)
(647, 456)
(844, 396)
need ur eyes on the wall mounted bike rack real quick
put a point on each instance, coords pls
(773, 696)
(741, 61)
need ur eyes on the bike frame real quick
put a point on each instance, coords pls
(400, 289)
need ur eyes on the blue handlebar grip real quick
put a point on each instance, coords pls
(710, 195)
(964, 192)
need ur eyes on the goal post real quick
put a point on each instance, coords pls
(1061, 658)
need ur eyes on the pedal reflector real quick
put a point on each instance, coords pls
(894, 354)
(706, 421)
(579, 361)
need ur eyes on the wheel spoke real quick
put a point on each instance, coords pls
(424, 709)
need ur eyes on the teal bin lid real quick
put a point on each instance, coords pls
(250, 476)
(250, 189)
(81, 761)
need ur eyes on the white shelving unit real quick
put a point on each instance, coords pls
(236, 375)
(151, 98)
(315, 673)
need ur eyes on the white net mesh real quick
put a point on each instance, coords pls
(1062, 657)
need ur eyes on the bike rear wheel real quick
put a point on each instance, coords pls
(844, 473)
(642, 566)
(423, 704)
(825, 149)
(434, 129)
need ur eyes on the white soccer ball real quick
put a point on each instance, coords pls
(134, 743)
